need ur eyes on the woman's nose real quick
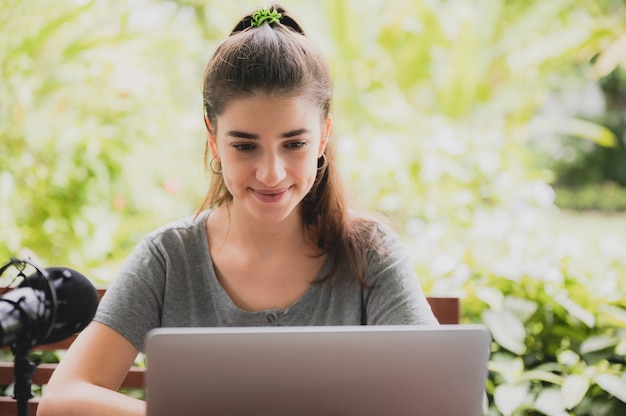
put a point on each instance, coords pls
(271, 170)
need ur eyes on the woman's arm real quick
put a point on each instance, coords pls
(86, 381)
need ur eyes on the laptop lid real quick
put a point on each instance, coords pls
(329, 371)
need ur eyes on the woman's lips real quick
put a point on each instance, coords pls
(270, 195)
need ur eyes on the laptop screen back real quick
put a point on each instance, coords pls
(330, 371)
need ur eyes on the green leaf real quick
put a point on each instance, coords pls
(550, 402)
(613, 385)
(36, 43)
(614, 312)
(597, 343)
(527, 26)
(523, 308)
(546, 376)
(509, 397)
(576, 310)
(507, 330)
(574, 389)
(491, 296)
(511, 369)
(611, 57)
(574, 127)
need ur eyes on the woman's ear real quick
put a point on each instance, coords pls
(212, 146)
(211, 137)
(328, 123)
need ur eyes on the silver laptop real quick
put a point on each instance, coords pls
(317, 371)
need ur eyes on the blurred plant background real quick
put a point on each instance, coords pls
(492, 132)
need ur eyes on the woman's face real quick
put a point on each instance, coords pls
(268, 147)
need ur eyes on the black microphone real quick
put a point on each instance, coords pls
(43, 311)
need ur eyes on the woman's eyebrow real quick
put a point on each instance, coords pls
(243, 135)
(294, 133)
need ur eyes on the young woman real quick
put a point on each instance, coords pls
(275, 241)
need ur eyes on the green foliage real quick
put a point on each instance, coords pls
(582, 168)
(82, 101)
(607, 197)
(437, 103)
(559, 346)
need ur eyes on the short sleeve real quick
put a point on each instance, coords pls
(132, 303)
(395, 296)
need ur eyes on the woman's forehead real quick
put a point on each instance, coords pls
(268, 110)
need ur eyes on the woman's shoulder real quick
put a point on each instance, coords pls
(192, 226)
(374, 229)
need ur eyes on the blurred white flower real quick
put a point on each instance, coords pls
(442, 264)
(384, 150)
(446, 139)
(613, 247)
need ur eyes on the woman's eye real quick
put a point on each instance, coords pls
(295, 145)
(243, 147)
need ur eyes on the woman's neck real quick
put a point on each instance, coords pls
(239, 229)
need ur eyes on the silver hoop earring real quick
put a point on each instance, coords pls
(217, 172)
(322, 162)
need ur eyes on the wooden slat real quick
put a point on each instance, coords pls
(100, 290)
(135, 378)
(55, 346)
(8, 406)
(43, 372)
(446, 309)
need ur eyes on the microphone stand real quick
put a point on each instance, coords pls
(23, 371)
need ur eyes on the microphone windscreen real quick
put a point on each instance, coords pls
(77, 301)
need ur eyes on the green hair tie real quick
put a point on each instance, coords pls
(265, 15)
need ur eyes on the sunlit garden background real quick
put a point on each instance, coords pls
(492, 132)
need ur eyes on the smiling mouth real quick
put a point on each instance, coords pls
(271, 196)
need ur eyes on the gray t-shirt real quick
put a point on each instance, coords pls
(169, 281)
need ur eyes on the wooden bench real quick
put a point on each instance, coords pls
(446, 309)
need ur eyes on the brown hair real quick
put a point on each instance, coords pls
(278, 59)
